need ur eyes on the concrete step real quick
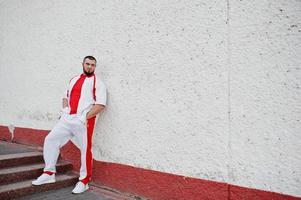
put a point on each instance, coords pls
(11, 148)
(24, 172)
(19, 189)
(17, 159)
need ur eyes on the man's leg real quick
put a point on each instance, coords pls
(84, 136)
(57, 138)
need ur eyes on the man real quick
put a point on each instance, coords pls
(83, 100)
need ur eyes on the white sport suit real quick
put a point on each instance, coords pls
(83, 92)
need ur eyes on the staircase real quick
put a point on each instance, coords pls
(20, 165)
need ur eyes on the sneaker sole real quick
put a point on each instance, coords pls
(36, 184)
(80, 192)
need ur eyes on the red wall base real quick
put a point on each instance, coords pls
(143, 182)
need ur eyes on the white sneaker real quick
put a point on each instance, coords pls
(43, 179)
(80, 187)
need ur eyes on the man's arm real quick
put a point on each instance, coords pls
(97, 108)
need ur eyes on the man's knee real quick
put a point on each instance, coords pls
(50, 138)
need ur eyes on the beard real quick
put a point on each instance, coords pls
(88, 73)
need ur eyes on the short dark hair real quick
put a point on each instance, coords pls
(91, 58)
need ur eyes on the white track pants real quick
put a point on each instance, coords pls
(67, 127)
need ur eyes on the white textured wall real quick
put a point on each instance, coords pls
(189, 93)
(265, 94)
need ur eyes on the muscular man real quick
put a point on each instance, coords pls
(83, 100)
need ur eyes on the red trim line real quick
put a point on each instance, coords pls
(89, 159)
(48, 172)
(75, 94)
(94, 88)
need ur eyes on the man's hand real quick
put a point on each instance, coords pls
(65, 103)
(97, 108)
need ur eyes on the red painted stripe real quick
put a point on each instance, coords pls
(89, 159)
(147, 183)
(75, 94)
(156, 185)
(238, 193)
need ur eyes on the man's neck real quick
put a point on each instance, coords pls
(88, 74)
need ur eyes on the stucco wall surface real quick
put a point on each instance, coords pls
(208, 89)
(265, 94)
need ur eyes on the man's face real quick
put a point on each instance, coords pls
(89, 66)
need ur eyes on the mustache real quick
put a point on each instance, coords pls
(88, 73)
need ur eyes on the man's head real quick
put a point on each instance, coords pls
(89, 64)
